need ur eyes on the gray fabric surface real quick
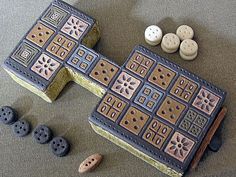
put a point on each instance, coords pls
(122, 23)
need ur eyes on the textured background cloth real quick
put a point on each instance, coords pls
(123, 23)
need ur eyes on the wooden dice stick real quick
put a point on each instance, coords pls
(208, 138)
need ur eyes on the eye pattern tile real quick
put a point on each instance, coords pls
(25, 53)
(83, 59)
(157, 133)
(161, 76)
(184, 88)
(179, 146)
(139, 64)
(104, 72)
(61, 46)
(54, 16)
(206, 101)
(75, 27)
(148, 97)
(193, 123)
(111, 107)
(134, 120)
(40, 34)
(170, 110)
(126, 85)
(45, 66)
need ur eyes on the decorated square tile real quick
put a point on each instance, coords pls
(40, 34)
(193, 123)
(206, 101)
(111, 107)
(157, 133)
(126, 85)
(45, 66)
(75, 27)
(134, 120)
(148, 97)
(139, 64)
(170, 110)
(54, 16)
(184, 88)
(161, 76)
(61, 46)
(25, 53)
(104, 72)
(179, 146)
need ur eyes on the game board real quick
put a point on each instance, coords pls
(150, 106)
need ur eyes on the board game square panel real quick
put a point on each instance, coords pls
(45, 66)
(184, 88)
(126, 85)
(24, 54)
(54, 16)
(134, 120)
(139, 64)
(40, 34)
(161, 76)
(148, 97)
(157, 133)
(104, 72)
(179, 146)
(111, 107)
(75, 27)
(206, 101)
(61, 46)
(170, 110)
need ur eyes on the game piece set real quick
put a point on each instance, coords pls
(150, 106)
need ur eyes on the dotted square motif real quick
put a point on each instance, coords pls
(104, 72)
(111, 107)
(139, 64)
(126, 85)
(184, 88)
(61, 46)
(206, 101)
(40, 34)
(148, 97)
(134, 120)
(193, 123)
(83, 59)
(157, 133)
(54, 16)
(25, 53)
(170, 110)
(45, 66)
(75, 27)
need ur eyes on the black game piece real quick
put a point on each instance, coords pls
(21, 128)
(59, 146)
(8, 115)
(42, 134)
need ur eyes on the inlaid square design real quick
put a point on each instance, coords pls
(54, 16)
(104, 72)
(179, 146)
(126, 85)
(206, 101)
(45, 66)
(61, 46)
(193, 123)
(170, 110)
(184, 88)
(75, 27)
(139, 64)
(25, 53)
(161, 76)
(134, 120)
(157, 133)
(40, 34)
(148, 97)
(111, 107)
(83, 59)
